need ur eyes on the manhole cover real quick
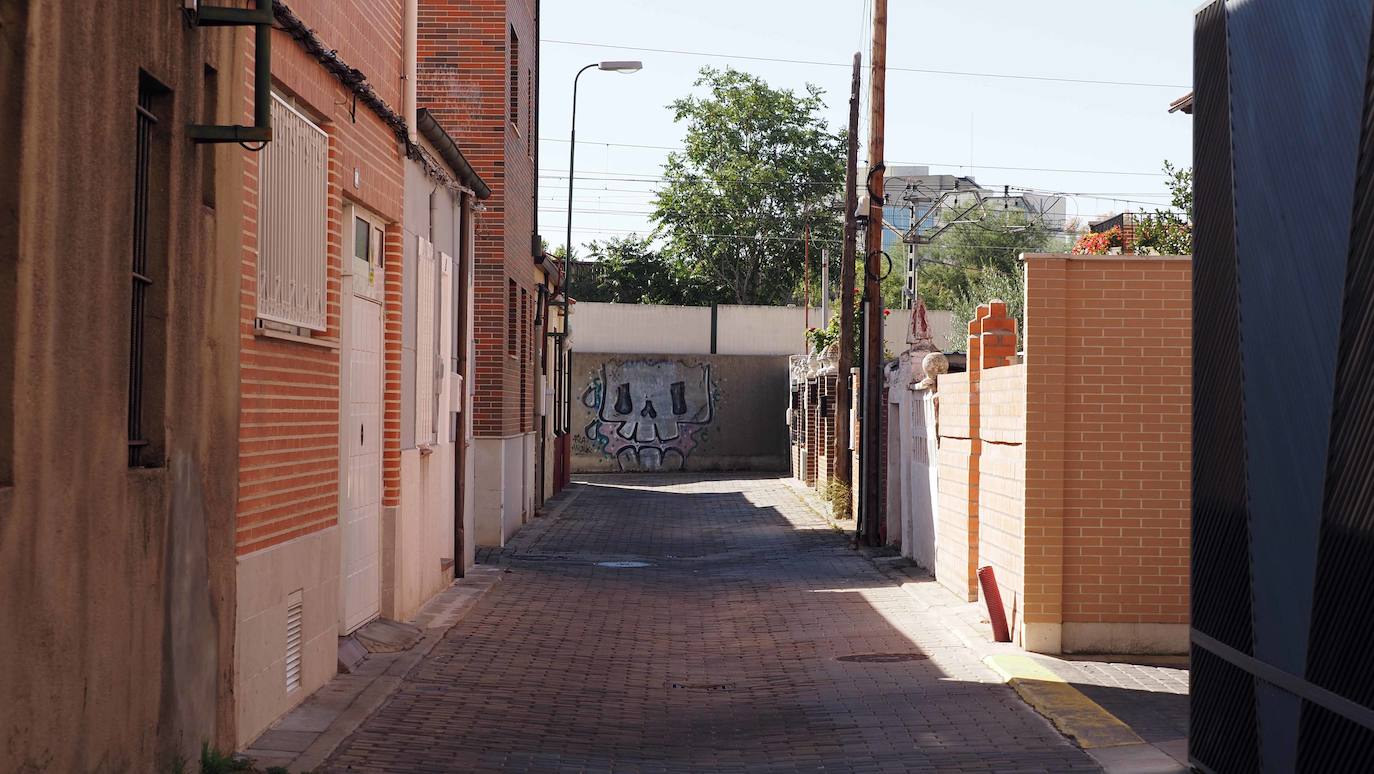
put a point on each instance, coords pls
(882, 658)
(703, 686)
(623, 565)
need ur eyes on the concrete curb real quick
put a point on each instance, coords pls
(1074, 714)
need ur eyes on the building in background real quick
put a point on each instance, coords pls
(119, 339)
(463, 50)
(427, 541)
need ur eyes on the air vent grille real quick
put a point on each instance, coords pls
(295, 615)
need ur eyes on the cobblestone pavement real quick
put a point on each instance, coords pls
(723, 654)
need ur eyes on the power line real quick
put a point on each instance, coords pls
(1060, 170)
(921, 70)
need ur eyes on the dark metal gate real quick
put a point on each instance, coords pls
(1283, 416)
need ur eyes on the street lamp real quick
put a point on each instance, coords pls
(625, 67)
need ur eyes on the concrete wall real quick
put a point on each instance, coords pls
(666, 412)
(116, 582)
(740, 330)
(912, 479)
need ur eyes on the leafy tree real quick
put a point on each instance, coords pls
(628, 270)
(1170, 232)
(988, 242)
(759, 165)
(989, 285)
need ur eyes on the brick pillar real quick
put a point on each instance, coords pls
(1046, 346)
(991, 343)
(393, 251)
(812, 403)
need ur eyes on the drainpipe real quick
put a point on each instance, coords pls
(412, 69)
(260, 17)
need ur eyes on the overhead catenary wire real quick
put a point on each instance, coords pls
(918, 70)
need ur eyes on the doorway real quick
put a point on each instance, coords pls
(361, 428)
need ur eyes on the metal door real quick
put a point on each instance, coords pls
(362, 500)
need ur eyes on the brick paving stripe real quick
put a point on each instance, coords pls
(722, 653)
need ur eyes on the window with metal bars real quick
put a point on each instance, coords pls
(524, 360)
(147, 321)
(512, 318)
(514, 79)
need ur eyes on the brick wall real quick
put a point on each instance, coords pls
(1069, 475)
(1125, 329)
(289, 391)
(464, 79)
(1002, 481)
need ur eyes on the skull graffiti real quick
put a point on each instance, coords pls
(648, 411)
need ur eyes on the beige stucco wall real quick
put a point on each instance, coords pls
(733, 413)
(641, 328)
(308, 564)
(503, 479)
(740, 330)
(116, 584)
(418, 536)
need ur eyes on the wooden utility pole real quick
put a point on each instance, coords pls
(870, 454)
(843, 399)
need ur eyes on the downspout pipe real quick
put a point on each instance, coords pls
(412, 14)
(262, 19)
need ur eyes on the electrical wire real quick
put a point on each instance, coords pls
(890, 68)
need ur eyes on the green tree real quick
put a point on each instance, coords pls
(1170, 232)
(988, 285)
(759, 166)
(990, 241)
(628, 270)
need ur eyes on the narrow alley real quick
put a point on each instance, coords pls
(699, 623)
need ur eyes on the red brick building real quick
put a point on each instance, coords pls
(478, 75)
(319, 349)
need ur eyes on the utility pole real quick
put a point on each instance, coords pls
(825, 289)
(870, 455)
(843, 398)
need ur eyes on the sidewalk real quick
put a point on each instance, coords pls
(304, 738)
(1129, 713)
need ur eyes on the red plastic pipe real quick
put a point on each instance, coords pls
(993, 597)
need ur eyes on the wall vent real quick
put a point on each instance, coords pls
(295, 615)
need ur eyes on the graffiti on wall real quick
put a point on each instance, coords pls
(649, 414)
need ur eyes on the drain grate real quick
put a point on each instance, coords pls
(882, 658)
(537, 558)
(703, 686)
(623, 565)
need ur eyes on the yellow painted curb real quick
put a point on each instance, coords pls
(1075, 715)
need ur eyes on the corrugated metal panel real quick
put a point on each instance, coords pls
(292, 226)
(1221, 536)
(1341, 630)
(426, 348)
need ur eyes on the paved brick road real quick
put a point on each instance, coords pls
(722, 655)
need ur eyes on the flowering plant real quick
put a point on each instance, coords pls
(1099, 242)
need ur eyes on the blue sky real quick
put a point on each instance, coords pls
(947, 121)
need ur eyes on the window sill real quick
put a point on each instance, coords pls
(269, 333)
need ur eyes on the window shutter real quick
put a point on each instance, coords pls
(426, 349)
(292, 188)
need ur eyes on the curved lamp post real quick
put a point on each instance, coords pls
(625, 67)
